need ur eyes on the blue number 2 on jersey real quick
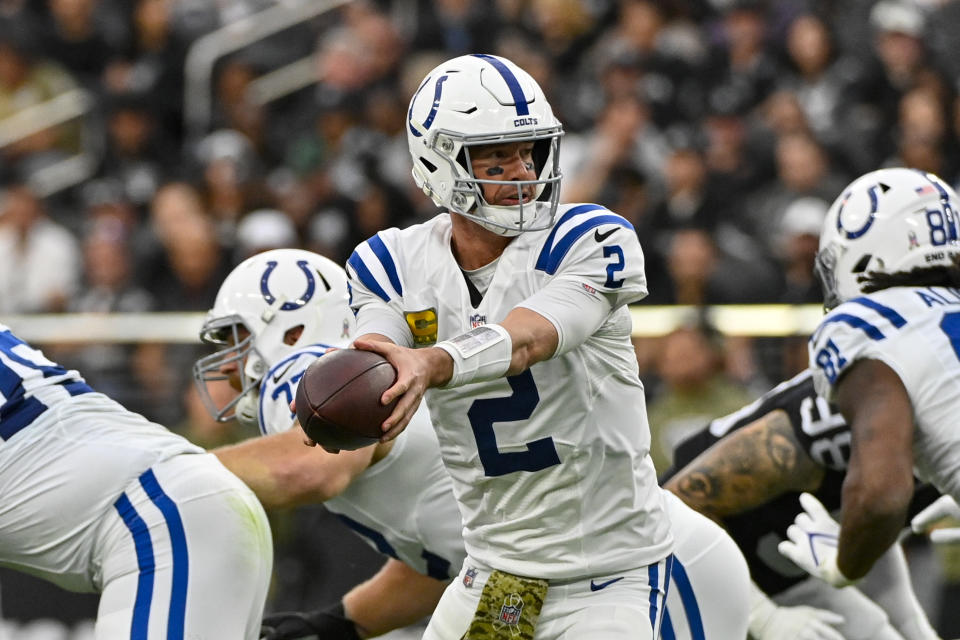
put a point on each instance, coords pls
(614, 267)
(484, 413)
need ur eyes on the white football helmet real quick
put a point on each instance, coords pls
(482, 99)
(259, 304)
(886, 221)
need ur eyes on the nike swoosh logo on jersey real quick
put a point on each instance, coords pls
(279, 374)
(603, 585)
(600, 237)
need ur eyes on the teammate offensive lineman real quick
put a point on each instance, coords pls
(509, 312)
(96, 498)
(746, 471)
(888, 354)
(274, 315)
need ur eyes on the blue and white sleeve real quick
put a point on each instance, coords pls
(598, 249)
(596, 265)
(376, 289)
(853, 331)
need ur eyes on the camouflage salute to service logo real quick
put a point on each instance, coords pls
(509, 608)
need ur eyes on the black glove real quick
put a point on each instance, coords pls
(330, 624)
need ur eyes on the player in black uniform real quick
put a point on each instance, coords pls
(747, 471)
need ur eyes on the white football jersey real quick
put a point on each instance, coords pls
(403, 505)
(551, 467)
(94, 497)
(36, 390)
(916, 332)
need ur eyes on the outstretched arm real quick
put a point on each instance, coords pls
(284, 473)
(879, 482)
(743, 471)
(377, 607)
(396, 597)
(747, 469)
(523, 338)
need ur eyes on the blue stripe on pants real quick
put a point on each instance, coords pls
(689, 600)
(178, 544)
(653, 577)
(666, 628)
(145, 562)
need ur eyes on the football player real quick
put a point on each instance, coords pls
(507, 312)
(888, 354)
(275, 314)
(746, 470)
(94, 497)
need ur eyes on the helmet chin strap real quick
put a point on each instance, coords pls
(255, 367)
(260, 367)
(495, 227)
(246, 409)
(271, 312)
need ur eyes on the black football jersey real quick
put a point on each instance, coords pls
(824, 435)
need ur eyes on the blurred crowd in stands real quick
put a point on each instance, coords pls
(722, 129)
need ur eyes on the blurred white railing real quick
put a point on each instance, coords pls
(648, 321)
(65, 107)
(57, 110)
(204, 53)
(283, 81)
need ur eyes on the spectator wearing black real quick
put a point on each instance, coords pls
(151, 64)
(137, 153)
(821, 81)
(73, 35)
(741, 70)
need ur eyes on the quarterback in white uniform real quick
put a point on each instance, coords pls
(96, 498)
(511, 310)
(888, 354)
(401, 500)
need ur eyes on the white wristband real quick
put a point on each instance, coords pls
(478, 355)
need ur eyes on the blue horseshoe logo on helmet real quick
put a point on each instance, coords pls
(874, 205)
(437, 91)
(290, 305)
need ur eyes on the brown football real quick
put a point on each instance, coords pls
(338, 398)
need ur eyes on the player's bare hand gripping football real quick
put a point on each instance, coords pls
(530, 338)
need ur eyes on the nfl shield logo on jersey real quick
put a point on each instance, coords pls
(511, 609)
(468, 577)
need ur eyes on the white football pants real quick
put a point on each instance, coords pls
(95, 498)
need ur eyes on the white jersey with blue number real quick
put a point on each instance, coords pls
(916, 332)
(403, 505)
(551, 467)
(35, 391)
